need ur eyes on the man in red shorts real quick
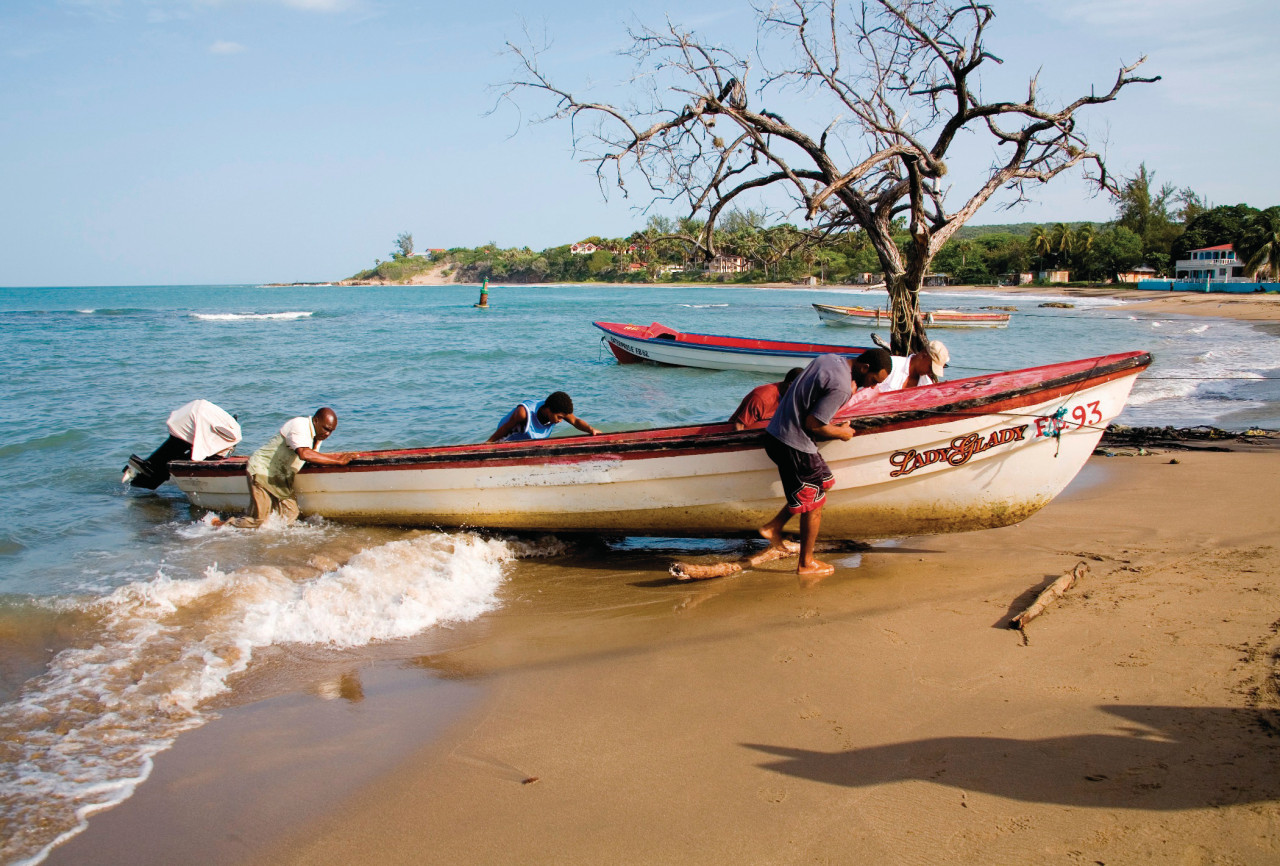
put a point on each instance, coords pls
(803, 418)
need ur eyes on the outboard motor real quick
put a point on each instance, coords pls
(198, 430)
(154, 471)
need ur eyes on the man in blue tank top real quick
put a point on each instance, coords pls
(803, 418)
(531, 420)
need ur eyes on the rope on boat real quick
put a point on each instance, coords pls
(1144, 377)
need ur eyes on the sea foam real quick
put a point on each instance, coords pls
(81, 737)
(239, 317)
(1205, 370)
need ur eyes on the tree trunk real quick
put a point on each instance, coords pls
(908, 334)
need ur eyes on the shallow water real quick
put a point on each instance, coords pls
(124, 617)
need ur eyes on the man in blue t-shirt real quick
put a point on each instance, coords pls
(532, 420)
(804, 415)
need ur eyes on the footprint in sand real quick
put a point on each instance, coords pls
(772, 795)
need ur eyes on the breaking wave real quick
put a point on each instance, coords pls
(239, 317)
(1205, 371)
(81, 737)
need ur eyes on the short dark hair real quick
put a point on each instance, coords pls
(876, 359)
(791, 374)
(560, 403)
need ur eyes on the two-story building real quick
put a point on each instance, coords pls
(1211, 265)
(728, 265)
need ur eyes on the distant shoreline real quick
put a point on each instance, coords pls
(1258, 307)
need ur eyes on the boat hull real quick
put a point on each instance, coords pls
(930, 465)
(636, 344)
(859, 316)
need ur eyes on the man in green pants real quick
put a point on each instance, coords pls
(273, 467)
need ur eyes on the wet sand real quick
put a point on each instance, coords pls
(887, 715)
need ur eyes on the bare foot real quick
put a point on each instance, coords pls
(772, 534)
(814, 572)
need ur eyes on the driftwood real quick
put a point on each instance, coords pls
(1055, 591)
(696, 571)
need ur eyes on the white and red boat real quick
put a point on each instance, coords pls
(878, 317)
(658, 344)
(967, 454)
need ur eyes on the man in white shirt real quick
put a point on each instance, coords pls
(198, 430)
(922, 368)
(273, 467)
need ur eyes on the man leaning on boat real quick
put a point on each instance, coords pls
(533, 420)
(273, 468)
(804, 416)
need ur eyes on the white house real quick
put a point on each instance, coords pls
(583, 249)
(1211, 264)
(728, 265)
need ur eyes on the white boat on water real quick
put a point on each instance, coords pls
(968, 454)
(880, 317)
(658, 344)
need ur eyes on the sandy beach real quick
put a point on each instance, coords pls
(607, 713)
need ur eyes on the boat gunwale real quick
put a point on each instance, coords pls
(690, 440)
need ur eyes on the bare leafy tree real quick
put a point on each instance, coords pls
(901, 80)
(404, 244)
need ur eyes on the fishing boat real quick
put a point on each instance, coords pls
(967, 454)
(876, 316)
(658, 344)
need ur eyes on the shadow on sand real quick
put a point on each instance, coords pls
(1165, 758)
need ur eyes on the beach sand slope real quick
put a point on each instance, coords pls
(889, 715)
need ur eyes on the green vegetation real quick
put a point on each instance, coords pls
(1154, 228)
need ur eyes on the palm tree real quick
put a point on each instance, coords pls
(1041, 244)
(1261, 245)
(1085, 236)
(1266, 257)
(1062, 239)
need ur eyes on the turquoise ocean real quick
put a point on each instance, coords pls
(126, 618)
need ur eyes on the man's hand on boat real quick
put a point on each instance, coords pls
(817, 430)
(340, 458)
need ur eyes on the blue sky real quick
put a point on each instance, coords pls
(147, 142)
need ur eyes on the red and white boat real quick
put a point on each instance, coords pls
(877, 317)
(658, 344)
(967, 454)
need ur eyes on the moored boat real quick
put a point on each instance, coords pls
(658, 344)
(966, 454)
(878, 317)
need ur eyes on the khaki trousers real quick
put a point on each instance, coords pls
(261, 503)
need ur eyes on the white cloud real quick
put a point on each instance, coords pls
(224, 47)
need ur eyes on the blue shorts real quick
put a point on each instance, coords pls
(806, 478)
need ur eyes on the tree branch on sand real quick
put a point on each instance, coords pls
(899, 80)
(696, 571)
(1055, 591)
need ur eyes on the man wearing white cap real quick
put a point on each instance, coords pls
(922, 368)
